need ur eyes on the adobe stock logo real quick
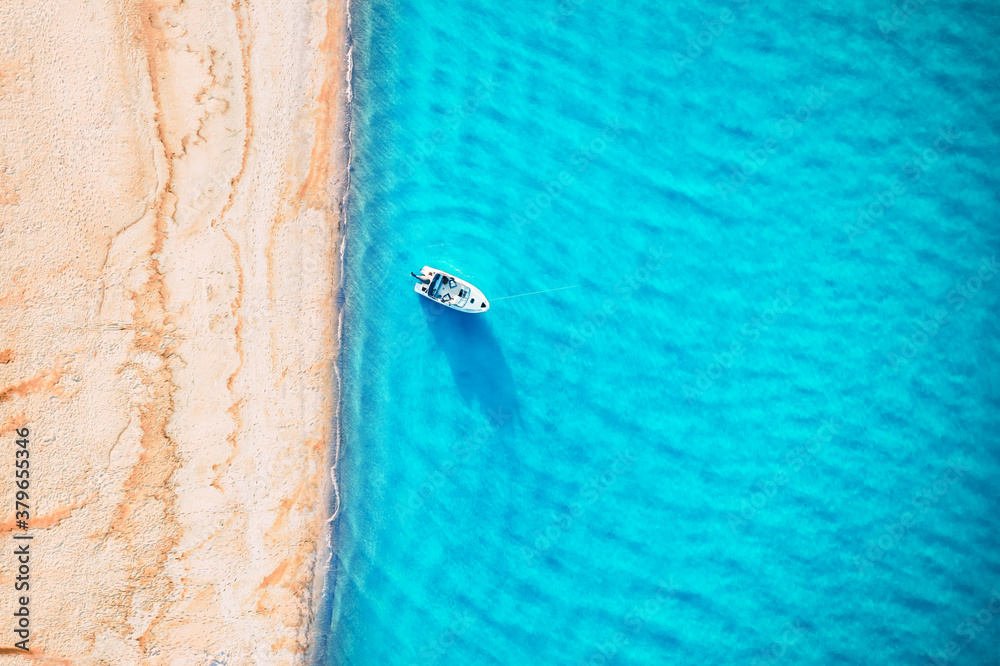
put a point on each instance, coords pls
(901, 13)
(590, 493)
(785, 129)
(927, 328)
(700, 43)
(449, 125)
(625, 289)
(582, 160)
(968, 629)
(922, 502)
(883, 201)
(750, 332)
(607, 651)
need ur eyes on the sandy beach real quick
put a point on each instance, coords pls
(172, 176)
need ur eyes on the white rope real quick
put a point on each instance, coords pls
(532, 293)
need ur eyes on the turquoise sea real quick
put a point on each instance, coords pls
(766, 428)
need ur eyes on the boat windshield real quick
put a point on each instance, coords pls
(435, 284)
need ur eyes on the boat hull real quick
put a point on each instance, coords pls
(470, 301)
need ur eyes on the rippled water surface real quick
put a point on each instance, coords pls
(765, 429)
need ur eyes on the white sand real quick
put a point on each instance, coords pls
(171, 175)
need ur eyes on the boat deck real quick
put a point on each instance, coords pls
(448, 290)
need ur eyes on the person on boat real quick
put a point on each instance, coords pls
(421, 278)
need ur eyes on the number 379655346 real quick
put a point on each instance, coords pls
(22, 474)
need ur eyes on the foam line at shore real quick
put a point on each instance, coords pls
(321, 631)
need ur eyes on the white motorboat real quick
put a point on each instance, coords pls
(450, 291)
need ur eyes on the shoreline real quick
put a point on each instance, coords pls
(324, 577)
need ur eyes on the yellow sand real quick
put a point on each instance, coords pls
(171, 180)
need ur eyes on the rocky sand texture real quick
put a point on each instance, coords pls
(171, 184)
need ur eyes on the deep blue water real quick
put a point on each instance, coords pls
(766, 428)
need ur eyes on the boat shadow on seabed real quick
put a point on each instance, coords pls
(477, 361)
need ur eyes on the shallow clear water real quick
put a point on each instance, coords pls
(766, 428)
